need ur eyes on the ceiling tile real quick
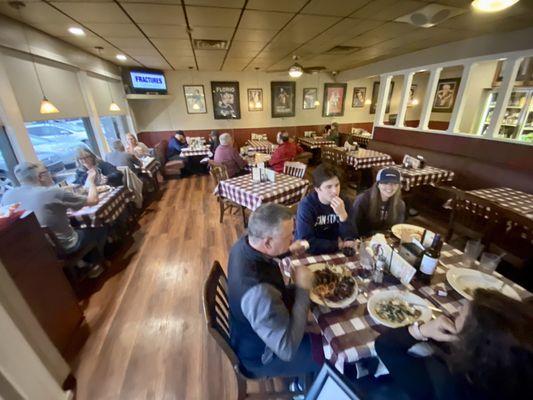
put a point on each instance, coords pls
(35, 13)
(212, 33)
(209, 63)
(276, 5)
(216, 3)
(165, 31)
(264, 20)
(175, 44)
(245, 49)
(136, 43)
(176, 52)
(116, 30)
(345, 30)
(60, 29)
(386, 31)
(154, 62)
(182, 63)
(212, 16)
(340, 8)
(304, 27)
(140, 51)
(235, 64)
(254, 35)
(387, 10)
(94, 12)
(156, 13)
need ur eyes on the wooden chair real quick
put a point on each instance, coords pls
(304, 157)
(220, 173)
(216, 312)
(293, 168)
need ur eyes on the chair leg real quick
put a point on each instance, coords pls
(243, 209)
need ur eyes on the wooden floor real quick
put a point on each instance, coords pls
(147, 337)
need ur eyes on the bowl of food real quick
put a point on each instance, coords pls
(407, 232)
(397, 308)
(334, 286)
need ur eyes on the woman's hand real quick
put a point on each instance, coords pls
(441, 329)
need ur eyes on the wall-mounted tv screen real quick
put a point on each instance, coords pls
(146, 81)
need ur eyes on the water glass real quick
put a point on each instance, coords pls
(473, 249)
(489, 262)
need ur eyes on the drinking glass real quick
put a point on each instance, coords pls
(489, 262)
(473, 249)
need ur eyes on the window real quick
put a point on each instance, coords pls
(55, 142)
(114, 128)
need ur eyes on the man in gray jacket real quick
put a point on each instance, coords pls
(119, 158)
(267, 318)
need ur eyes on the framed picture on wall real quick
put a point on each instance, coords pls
(195, 99)
(359, 97)
(334, 95)
(255, 99)
(445, 95)
(310, 98)
(283, 97)
(375, 93)
(226, 104)
(412, 96)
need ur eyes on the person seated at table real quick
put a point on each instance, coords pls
(133, 146)
(486, 353)
(268, 318)
(213, 141)
(50, 203)
(380, 207)
(327, 130)
(334, 134)
(227, 155)
(286, 151)
(322, 218)
(106, 173)
(176, 144)
(119, 158)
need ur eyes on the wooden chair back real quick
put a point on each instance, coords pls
(294, 168)
(218, 171)
(50, 234)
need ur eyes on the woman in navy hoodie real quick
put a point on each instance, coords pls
(322, 218)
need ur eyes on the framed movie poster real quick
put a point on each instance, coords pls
(412, 94)
(195, 99)
(283, 99)
(359, 97)
(334, 94)
(375, 93)
(255, 99)
(446, 94)
(226, 104)
(310, 98)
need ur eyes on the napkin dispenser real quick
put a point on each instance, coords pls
(398, 266)
(411, 253)
(411, 162)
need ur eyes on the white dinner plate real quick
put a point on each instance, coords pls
(331, 304)
(398, 229)
(401, 295)
(465, 280)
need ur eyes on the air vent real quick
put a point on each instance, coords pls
(206, 44)
(430, 15)
(342, 50)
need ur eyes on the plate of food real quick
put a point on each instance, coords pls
(465, 281)
(103, 188)
(334, 287)
(397, 308)
(403, 231)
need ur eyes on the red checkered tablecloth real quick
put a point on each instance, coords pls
(242, 190)
(520, 202)
(150, 166)
(315, 143)
(202, 151)
(362, 159)
(424, 176)
(110, 205)
(261, 146)
(350, 333)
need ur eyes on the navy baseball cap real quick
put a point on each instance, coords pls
(388, 175)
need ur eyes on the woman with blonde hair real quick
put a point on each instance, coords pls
(133, 146)
(106, 173)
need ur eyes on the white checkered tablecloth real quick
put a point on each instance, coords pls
(242, 190)
(150, 166)
(202, 151)
(315, 143)
(424, 176)
(110, 205)
(362, 159)
(518, 201)
(350, 332)
(261, 146)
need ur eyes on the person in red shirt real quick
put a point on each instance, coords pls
(286, 151)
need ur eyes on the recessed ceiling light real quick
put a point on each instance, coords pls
(493, 5)
(121, 57)
(76, 31)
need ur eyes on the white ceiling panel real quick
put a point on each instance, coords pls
(175, 44)
(305, 27)
(182, 63)
(254, 35)
(264, 20)
(212, 16)
(345, 30)
(173, 52)
(156, 13)
(276, 5)
(388, 10)
(60, 29)
(154, 62)
(142, 51)
(212, 33)
(235, 64)
(137, 43)
(165, 31)
(211, 63)
(94, 12)
(340, 8)
(35, 13)
(116, 30)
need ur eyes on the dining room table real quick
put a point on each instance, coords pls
(429, 175)
(111, 204)
(349, 333)
(260, 146)
(203, 150)
(361, 140)
(516, 200)
(365, 159)
(312, 143)
(250, 194)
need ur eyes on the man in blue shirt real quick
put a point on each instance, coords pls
(176, 143)
(322, 218)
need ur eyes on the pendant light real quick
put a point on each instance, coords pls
(317, 102)
(296, 70)
(47, 107)
(113, 107)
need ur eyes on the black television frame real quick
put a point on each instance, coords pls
(133, 90)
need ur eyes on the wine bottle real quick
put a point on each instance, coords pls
(430, 259)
